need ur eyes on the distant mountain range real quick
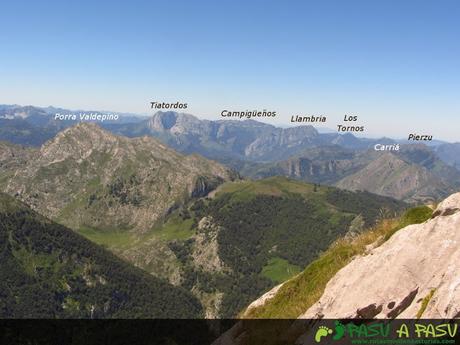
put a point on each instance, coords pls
(450, 153)
(415, 173)
(33, 126)
(223, 139)
(247, 140)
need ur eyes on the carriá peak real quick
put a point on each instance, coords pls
(88, 177)
(414, 174)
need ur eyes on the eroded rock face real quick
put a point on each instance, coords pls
(12, 157)
(263, 299)
(205, 252)
(88, 177)
(391, 175)
(396, 279)
(448, 207)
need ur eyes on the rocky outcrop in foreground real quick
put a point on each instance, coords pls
(416, 273)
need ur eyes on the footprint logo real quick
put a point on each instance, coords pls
(339, 331)
(322, 331)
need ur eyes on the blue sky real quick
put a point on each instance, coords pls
(395, 64)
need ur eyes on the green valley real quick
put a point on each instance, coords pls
(49, 271)
(248, 236)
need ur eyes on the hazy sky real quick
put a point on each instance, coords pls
(395, 64)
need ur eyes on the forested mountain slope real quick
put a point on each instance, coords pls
(49, 271)
(248, 236)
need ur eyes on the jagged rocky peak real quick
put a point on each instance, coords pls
(421, 265)
(86, 138)
(170, 120)
(81, 139)
(86, 176)
(284, 139)
(164, 120)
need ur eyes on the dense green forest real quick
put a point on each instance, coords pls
(263, 232)
(270, 226)
(369, 206)
(48, 271)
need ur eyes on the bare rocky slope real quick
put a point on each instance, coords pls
(12, 158)
(421, 266)
(88, 177)
(392, 176)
